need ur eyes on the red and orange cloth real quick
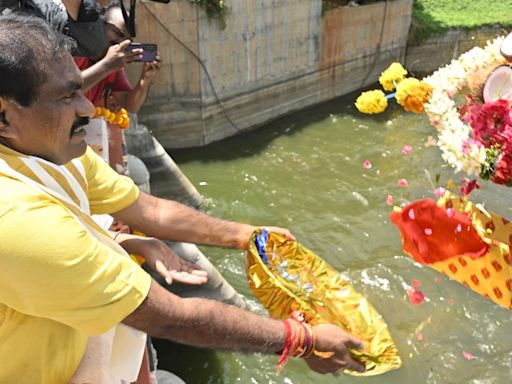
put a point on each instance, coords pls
(461, 240)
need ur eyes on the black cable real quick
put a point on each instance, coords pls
(200, 62)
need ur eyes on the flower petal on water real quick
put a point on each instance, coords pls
(416, 297)
(403, 183)
(406, 149)
(439, 192)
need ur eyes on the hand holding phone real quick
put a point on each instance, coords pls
(148, 51)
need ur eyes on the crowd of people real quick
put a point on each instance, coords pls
(74, 307)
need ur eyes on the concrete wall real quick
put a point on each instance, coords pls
(438, 51)
(274, 57)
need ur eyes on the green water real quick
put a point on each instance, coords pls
(305, 172)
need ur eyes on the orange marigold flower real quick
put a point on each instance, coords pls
(412, 94)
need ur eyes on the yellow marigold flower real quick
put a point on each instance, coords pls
(394, 74)
(412, 94)
(372, 102)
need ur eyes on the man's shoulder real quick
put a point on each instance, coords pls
(27, 212)
(15, 192)
(22, 198)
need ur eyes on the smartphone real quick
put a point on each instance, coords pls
(148, 51)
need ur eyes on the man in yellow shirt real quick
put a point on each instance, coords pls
(62, 279)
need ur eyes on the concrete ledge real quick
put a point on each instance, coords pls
(438, 51)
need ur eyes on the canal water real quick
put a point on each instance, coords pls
(305, 172)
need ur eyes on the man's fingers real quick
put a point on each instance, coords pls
(355, 365)
(133, 56)
(163, 271)
(188, 278)
(282, 231)
(354, 342)
(192, 268)
(347, 363)
(123, 44)
(200, 273)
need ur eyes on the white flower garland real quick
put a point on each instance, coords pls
(454, 136)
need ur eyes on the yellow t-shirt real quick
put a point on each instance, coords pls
(58, 283)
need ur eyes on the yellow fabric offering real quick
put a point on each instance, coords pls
(289, 277)
(59, 284)
(491, 274)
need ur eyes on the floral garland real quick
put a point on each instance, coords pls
(410, 92)
(475, 139)
(456, 139)
(121, 118)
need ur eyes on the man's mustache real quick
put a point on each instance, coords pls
(79, 122)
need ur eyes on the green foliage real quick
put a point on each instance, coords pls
(432, 17)
(215, 9)
(491, 158)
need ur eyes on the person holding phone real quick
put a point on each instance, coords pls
(104, 81)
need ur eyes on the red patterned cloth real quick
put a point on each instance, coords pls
(431, 233)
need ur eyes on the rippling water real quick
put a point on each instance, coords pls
(305, 172)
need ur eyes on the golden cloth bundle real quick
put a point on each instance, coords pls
(285, 277)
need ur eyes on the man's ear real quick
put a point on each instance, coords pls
(7, 131)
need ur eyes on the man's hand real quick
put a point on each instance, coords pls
(149, 70)
(160, 258)
(281, 231)
(171, 267)
(117, 57)
(249, 229)
(330, 338)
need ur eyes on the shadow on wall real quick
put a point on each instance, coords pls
(243, 145)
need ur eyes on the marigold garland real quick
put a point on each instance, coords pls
(121, 118)
(412, 94)
(392, 76)
(372, 102)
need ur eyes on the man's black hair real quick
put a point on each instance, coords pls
(28, 48)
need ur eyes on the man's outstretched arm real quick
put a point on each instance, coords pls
(210, 324)
(170, 220)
